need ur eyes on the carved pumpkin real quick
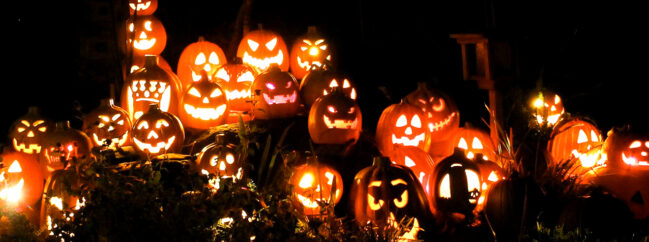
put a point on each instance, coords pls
(547, 108)
(457, 185)
(401, 124)
(490, 173)
(385, 193)
(145, 35)
(320, 81)
(574, 139)
(158, 132)
(335, 119)
(312, 183)
(261, 48)
(63, 145)
(199, 56)
(108, 125)
(309, 50)
(278, 94)
(150, 85)
(475, 141)
(441, 112)
(58, 201)
(28, 131)
(236, 79)
(21, 180)
(420, 162)
(203, 105)
(142, 7)
(220, 159)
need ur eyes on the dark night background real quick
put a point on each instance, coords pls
(593, 54)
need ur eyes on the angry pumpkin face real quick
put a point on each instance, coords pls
(108, 125)
(261, 48)
(28, 131)
(442, 114)
(204, 105)
(145, 36)
(320, 81)
(335, 119)
(158, 132)
(278, 94)
(307, 51)
(236, 79)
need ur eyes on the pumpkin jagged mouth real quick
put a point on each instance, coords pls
(408, 142)
(633, 161)
(340, 123)
(115, 142)
(264, 63)
(434, 127)
(280, 99)
(157, 148)
(25, 148)
(205, 114)
(236, 94)
(140, 6)
(306, 65)
(144, 44)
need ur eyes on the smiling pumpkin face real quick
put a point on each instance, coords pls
(108, 125)
(261, 48)
(28, 131)
(21, 180)
(441, 112)
(576, 139)
(145, 36)
(475, 141)
(307, 51)
(64, 145)
(547, 108)
(158, 132)
(278, 94)
(142, 7)
(203, 105)
(199, 56)
(335, 119)
(401, 124)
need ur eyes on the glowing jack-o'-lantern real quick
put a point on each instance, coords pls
(261, 48)
(150, 85)
(420, 162)
(63, 145)
(28, 131)
(457, 185)
(385, 193)
(490, 173)
(278, 94)
(309, 50)
(547, 108)
(475, 141)
(158, 132)
(441, 112)
(236, 79)
(142, 7)
(59, 200)
(312, 183)
(335, 119)
(145, 35)
(401, 124)
(108, 125)
(199, 56)
(320, 81)
(574, 139)
(203, 105)
(220, 159)
(21, 180)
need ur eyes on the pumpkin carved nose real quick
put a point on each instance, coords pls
(152, 134)
(408, 131)
(205, 100)
(30, 134)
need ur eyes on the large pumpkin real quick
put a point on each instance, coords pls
(441, 112)
(145, 35)
(456, 185)
(28, 131)
(108, 125)
(261, 48)
(236, 79)
(150, 85)
(417, 160)
(320, 80)
(199, 56)
(158, 132)
(335, 119)
(276, 94)
(203, 105)
(21, 180)
(142, 7)
(475, 141)
(547, 108)
(401, 124)
(312, 183)
(574, 139)
(385, 193)
(309, 50)
(63, 145)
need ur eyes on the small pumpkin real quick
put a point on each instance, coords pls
(309, 50)
(547, 108)
(203, 105)
(27, 132)
(145, 35)
(158, 132)
(64, 145)
(220, 159)
(236, 79)
(441, 112)
(108, 125)
(199, 56)
(574, 138)
(313, 182)
(401, 124)
(261, 48)
(278, 94)
(21, 180)
(321, 80)
(335, 119)
(142, 7)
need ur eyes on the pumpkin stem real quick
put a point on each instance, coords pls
(311, 29)
(150, 60)
(62, 125)
(201, 38)
(154, 108)
(33, 110)
(381, 162)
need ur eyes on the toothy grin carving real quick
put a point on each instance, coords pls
(434, 127)
(280, 99)
(307, 65)
(264, 63)
(157, 148)
(340, 123)
(205, 113)
(27, 149)
(408, 142)
(634, 161)
(236, 94)
(140, 6)
(115, 142)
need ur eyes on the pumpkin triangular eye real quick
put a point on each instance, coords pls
(317, 42)
(409, 162)
(557, 99)
(15, 167)
(462, 144)
(582, 137)
(476, 144)
(194, 92)
(223, 74)
(115, 117)
(346, 83)
(402, 121)
(352, 95)
(635, 144)
(253, 45)
(333, 83)
(271, 44)
(25, 122)
(161, 122)
(214, 59)
(415, 122)
(217, 92)
(593, 136)
(38, 122)
(306, 42)
(200, 59)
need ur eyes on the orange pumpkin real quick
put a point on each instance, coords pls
(401, 124)
(142, 7)
(28, 131)
(261, 48)
(150, 85)
(199, 56)
(220, 159)
(203, 105)
(320, 80)
(490, 173)
(236, 79)
(313, 182)
(547, 108)
(64, 145)
(58, 201)
(420, 162)
(475, 141)
(108, 125)
(574, 139)
(21, 180)
(278, 94)
(441, 112)
(158, 132)
(309, 50)
(335, 119)
(145, 35)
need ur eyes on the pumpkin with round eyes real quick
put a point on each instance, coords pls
(203, 105)
(456, 185)
(220, 159)
(547, 108)
(21, 180)
(278, 94)
(150, 85)
(314, 182)
(261, 48)
(199, 56)
(385, 193)
(441, 112)
(309, 50)
(574, 139)
(475, 141)
(335, 119)
(158, 132)
(417, 160)
(58, 200)
(320, 81)
(236, 80)
(64, 145)
(108, 125)
(401, 124)
(28, 131)
(145, 35)
(142, 7)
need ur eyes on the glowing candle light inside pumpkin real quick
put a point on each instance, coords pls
(14, 193)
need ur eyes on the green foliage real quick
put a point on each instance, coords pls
(15, 226)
